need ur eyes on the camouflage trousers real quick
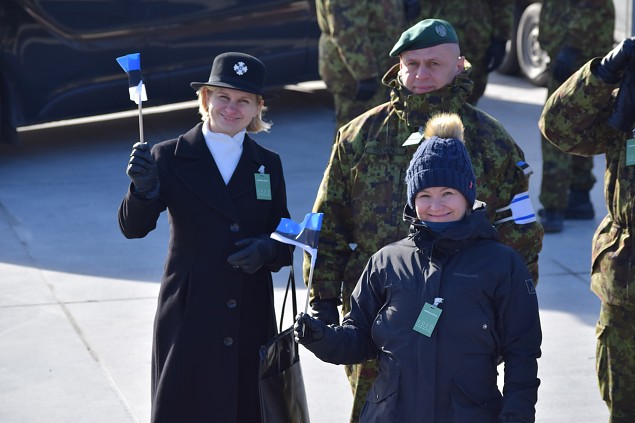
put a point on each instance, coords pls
(615, 361)
(361, 378)
(562, 171)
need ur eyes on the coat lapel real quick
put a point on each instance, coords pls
(199, 173)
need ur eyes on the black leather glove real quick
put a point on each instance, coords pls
(412, 8)
(611, 68)
(307, 330)
(326, 310)
(256, 253)
(565, 64)
(142, 170)
(366, 89)
(495, 53)
(623, 116)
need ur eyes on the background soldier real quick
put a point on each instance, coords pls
(571, 32)
(356, 36)
(361, 194)
(483, 26)
(582, 117)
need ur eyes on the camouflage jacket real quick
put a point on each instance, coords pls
(362, 32)
(586, 25)
(575, 120)
(476, 22)
(363, 192)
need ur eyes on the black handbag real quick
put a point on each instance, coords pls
(282, 394)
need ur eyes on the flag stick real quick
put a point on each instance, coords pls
(308, 291)
(140, 116)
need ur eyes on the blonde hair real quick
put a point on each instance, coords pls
(257, 124)
(445, 125)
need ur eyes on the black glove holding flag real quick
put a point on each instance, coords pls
(307, 329)
(143, 172)
(623, 116)
(256, 253)
(326, 310)
(611, 68)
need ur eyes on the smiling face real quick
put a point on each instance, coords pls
(440, 204)
(231, 111)
(429, 69)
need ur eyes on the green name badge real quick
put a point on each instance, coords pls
(630, 152)
(427, 319)
(263, 186)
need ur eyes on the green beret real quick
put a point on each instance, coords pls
(427, 33)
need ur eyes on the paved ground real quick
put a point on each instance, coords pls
(76, 311)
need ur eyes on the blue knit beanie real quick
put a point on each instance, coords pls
(441, 162)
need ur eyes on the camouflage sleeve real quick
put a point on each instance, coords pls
(348, 20)
(591, 26)
(574, 118)
(502, 18)
(333, 199)
(525, 238)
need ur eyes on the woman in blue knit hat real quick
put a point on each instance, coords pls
(441, 308)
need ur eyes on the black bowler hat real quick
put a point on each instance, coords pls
(239, 71)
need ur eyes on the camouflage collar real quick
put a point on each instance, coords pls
(416, 109)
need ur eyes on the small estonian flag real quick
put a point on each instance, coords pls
(131, 63)
(305, 235)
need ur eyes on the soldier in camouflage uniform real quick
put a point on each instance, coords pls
(356, 36)
(483, 26)
(581, 118)
(362, 191)
(571, 32)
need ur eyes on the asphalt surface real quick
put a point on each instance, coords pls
(78, 299)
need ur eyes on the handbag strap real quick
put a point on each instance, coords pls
(290, 283)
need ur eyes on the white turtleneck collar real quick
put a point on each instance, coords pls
(226, 150)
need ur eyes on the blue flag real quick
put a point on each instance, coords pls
(131, 63)
(304, 235)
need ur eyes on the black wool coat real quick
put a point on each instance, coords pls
(211, 319)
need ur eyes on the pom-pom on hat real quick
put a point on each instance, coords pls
(426, 33)
(441, 160)
(239, 71)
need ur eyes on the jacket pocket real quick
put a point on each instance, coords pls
(474, 402)
(381, 401)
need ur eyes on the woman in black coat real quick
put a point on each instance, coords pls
(225, 195)
(440, 308)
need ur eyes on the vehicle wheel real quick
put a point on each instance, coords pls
(532, 59)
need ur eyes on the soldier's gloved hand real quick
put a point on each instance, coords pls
(326, 310)
(565, 64)
(495, 54)
(611, 68)
(256, 253)
(142, 170)
(623, 116)
(412, 8)
(366, 89)
(307, 330)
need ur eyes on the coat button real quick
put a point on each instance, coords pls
(234, 227)
(484, 326)
(228, 341)
(231, 304)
